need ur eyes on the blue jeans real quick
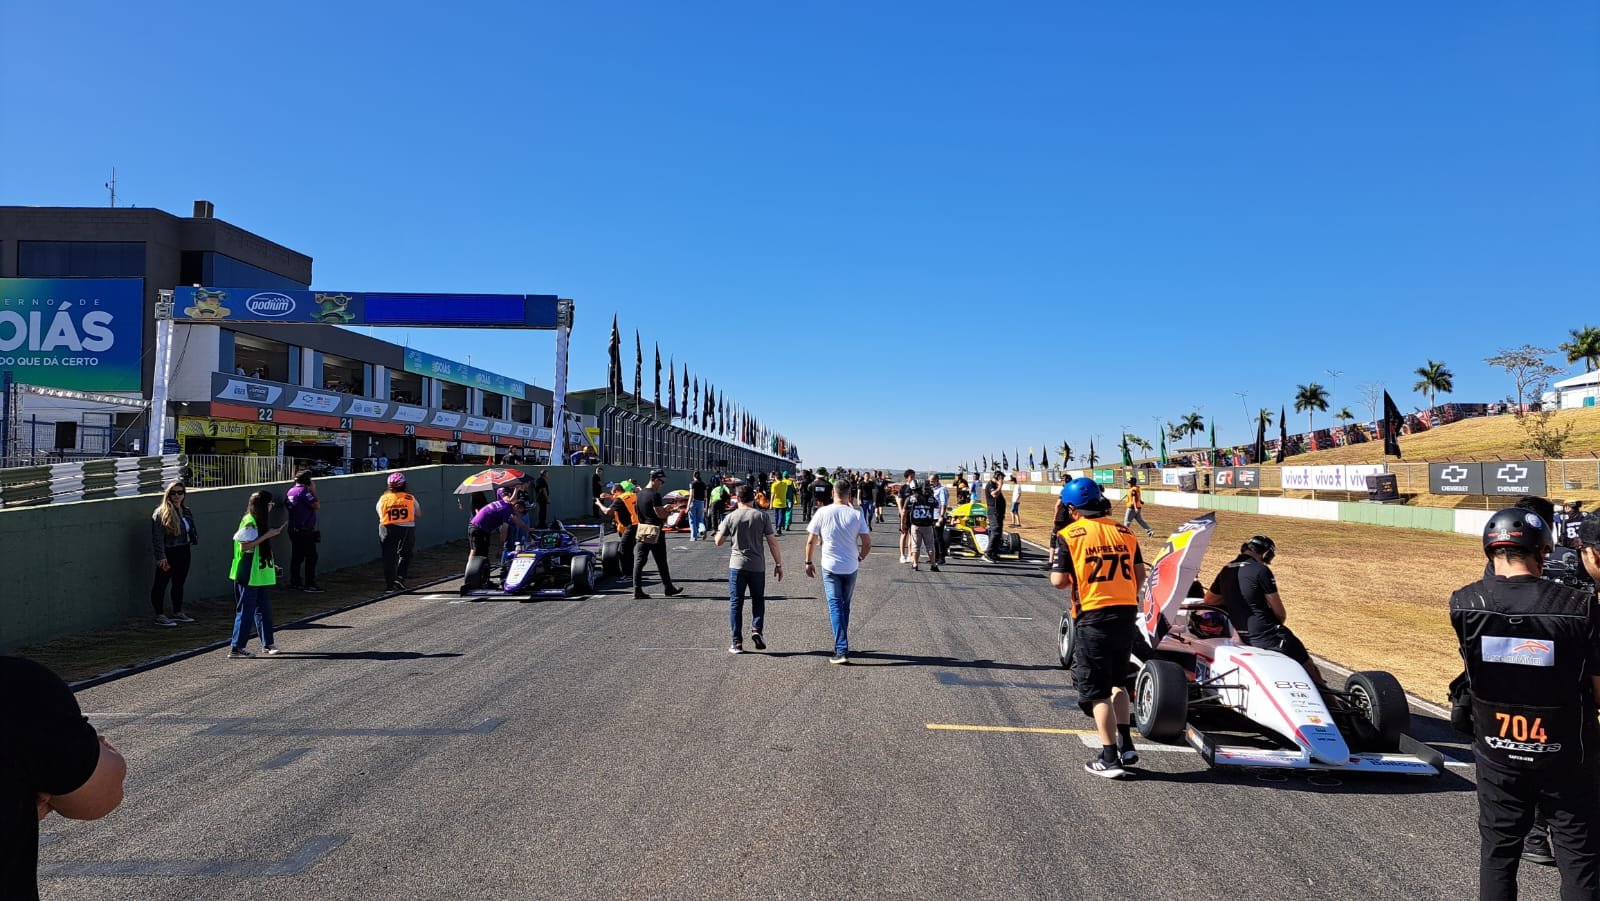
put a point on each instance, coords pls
(1130, 514)
(739, 581)
(780, 518)
(697, 519)
(866, 512)
(251, 607)
(839, 587)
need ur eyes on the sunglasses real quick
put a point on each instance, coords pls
(179, 491)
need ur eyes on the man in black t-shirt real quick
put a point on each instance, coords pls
(994, 503)
(50, 760)
(1248, 591)
(652, 512)
(804, 484)
(820, 492)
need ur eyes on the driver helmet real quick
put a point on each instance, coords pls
(1082, 493)
(1518, 528)
(397, 481)
(1208, 623)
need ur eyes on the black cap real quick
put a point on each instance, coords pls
(659, 474)
(1589, 532)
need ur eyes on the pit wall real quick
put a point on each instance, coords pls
(1431, 519)
(72, 567)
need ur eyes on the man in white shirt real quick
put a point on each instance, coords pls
(844, 540)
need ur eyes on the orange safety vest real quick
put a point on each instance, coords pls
(1103, 554)
(397, 508)
(627, 499)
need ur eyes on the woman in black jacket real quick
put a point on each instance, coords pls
(172, 534)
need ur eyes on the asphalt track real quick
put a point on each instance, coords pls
(424, 747)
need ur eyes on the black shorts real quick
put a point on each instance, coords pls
(1280, 639)
(1104, 649)
(480, 541)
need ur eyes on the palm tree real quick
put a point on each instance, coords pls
(1140, 443)
(1344, 414)
(1266, 416)
(1585, 346)
(1431, 379)
(1192, 424)
(1176, 431)
(1309, 399)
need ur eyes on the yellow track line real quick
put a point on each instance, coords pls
(952, 727)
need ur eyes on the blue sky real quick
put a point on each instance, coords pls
(904, 234)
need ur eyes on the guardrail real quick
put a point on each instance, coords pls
(31, 486)
(221, 471)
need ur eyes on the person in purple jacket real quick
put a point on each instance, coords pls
(503, 513)
(303, 533)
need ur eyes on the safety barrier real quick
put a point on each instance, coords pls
(29, 486)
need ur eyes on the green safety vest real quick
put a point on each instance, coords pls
(260, 575)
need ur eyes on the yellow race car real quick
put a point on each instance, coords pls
(967, 534)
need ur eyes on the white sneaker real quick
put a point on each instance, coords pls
(904, 559)
(271, 650)
(164, 621)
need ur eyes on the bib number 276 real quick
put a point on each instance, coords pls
(1108, 567)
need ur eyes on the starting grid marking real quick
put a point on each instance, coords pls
(1091, 739)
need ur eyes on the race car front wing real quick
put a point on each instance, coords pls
(1414, 758)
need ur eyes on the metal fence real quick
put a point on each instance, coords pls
(219, 471)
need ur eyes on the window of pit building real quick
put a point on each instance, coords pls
(80, 259)
(218, 270)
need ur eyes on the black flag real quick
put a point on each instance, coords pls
(615, 382)
(1261, 440)
(1392, 423)
(672, 389)
(683, 412)
(638, 370)
(1044, 458)
(1283, 434)
(658, 375)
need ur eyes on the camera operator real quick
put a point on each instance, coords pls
(1532, 654)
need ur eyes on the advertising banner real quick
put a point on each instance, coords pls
(1520, 478)
(1105, 476)
(268, 396)
(1329, 478)
(1455, 478)
(82, 334)
(461, 374)
(1238, 477)
(1174, 477)
(266, 305)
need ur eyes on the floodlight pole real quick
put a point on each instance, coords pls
(160, 375)
(558, 429)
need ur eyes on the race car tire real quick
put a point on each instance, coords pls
(477, 573)
(611, 558)
(1067, 643)
(1161, 701)
(1013, 543)
(582, 574)
(1383, 713)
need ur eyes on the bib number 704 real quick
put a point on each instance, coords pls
(1520, 729)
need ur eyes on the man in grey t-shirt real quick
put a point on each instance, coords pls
(748, 527)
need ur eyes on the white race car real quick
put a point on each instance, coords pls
(1243, 706)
